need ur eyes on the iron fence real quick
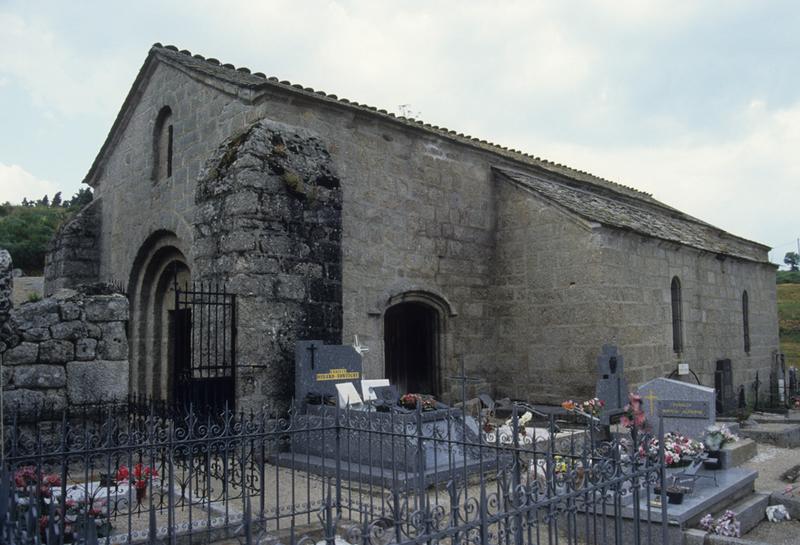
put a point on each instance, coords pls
(129, 475)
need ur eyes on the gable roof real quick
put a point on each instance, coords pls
(254, 84)
(611, 203)
(633, 214)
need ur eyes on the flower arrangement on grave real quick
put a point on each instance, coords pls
(725, 525)
(591, 407)
(504, 434)
(717, 436)
(28, 482)
(633, 416)
(678, 449)
(139, 478)
(795, 402)
(410, 401)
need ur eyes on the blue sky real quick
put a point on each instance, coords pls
(696, 102)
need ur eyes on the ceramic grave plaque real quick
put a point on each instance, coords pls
(686, 408)
(320, 367)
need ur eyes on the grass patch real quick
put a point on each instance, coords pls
(789, 321)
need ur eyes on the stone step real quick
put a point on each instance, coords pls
(750, 511)
(780, 435)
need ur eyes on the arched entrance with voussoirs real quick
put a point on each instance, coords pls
(414, 335)
(159, 266)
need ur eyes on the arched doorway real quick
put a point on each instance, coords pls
(411, 344)
(159, 266)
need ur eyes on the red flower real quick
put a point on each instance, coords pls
(123, 474)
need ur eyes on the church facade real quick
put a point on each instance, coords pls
(329, 219)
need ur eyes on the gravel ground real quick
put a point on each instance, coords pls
(771, 462)
(776, 533)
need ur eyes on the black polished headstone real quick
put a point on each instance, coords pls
(611, 388)
(320, 367)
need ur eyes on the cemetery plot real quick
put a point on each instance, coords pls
(176, 475)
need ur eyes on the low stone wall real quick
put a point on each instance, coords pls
(66, 350)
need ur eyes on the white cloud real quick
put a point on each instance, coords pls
(746, 184)
(57, 77)
(17, 183)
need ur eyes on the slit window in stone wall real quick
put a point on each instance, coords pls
(162, 145)
(677, 316)
(746, 320)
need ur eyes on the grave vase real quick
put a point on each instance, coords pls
(714, 460)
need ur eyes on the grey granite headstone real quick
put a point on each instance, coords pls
(686, 408)
(319, 367)
(611, 388)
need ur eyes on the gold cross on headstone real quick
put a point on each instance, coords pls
(651, 397)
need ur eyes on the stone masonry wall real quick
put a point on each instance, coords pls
(636, 273)
(268, 227)
(73, 258)
(417, 212)
(546, 286)
(69, 349)
(6, 289)
(565, 287)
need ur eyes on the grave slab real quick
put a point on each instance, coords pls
(707, 497)
(686, 408)
(780, 435)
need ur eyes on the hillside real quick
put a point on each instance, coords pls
(789, 319)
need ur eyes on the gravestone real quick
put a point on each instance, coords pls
(723, 384)
(686, 408)
(320, 367)
(612, 388)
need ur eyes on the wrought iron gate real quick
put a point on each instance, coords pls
(204, 346)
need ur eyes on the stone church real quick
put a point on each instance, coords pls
(244, 213)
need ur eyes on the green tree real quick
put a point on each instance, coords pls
(56, 200)
(793, 260)
(25, 232)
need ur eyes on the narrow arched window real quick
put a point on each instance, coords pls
(746, 321)
(677, 316)
(162, 145)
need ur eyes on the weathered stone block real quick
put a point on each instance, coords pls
(93, 381)
(55, 351)
(85, 349)
(69, 311)
(107, 308)
(6, 373)
(114, 343)
(39, 376)
(37, 334)
(23, 353)
(28, 404)
(73, 330)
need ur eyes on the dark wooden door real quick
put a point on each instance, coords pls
(411, 333)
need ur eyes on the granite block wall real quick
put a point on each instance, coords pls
(72, 257)
(268, 227)
(66, 350)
